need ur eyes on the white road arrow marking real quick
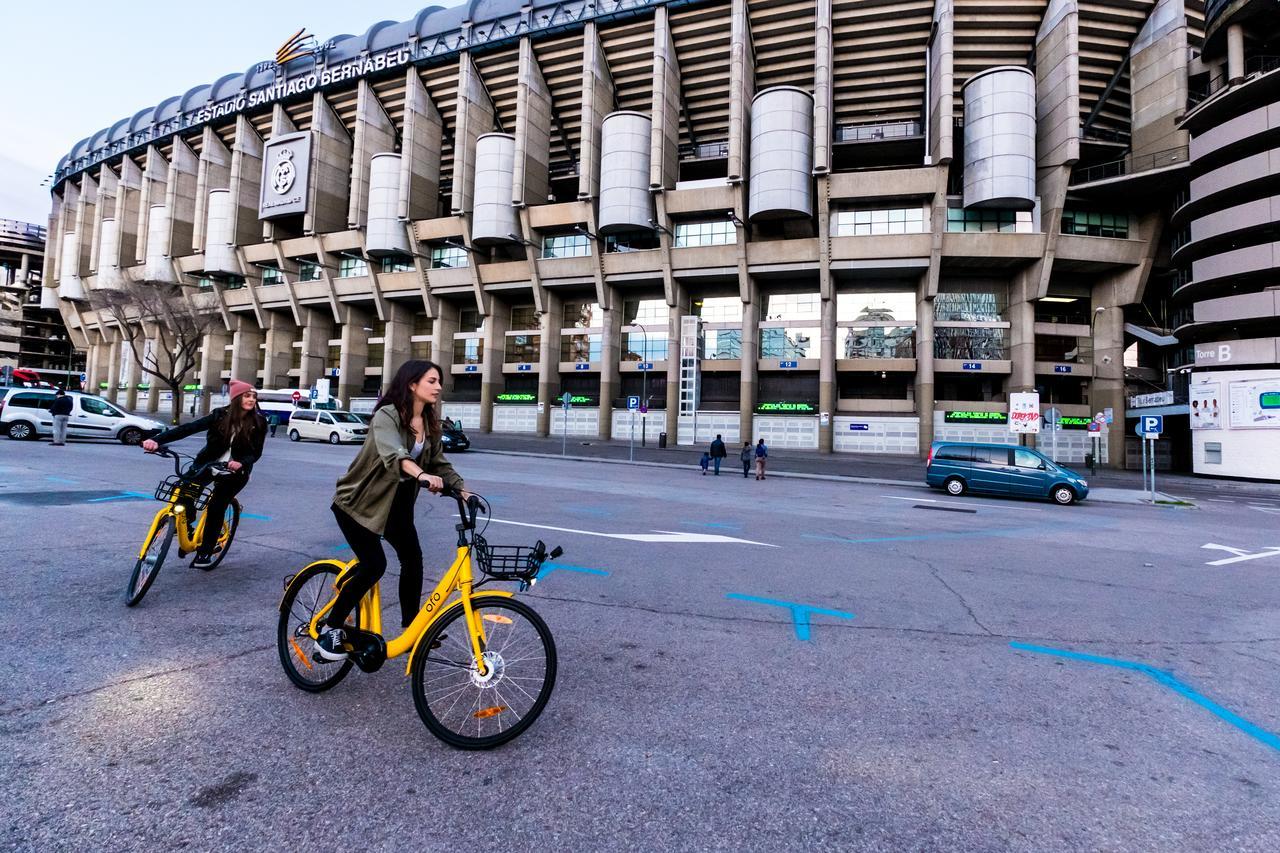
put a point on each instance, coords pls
(1240, 554)
(1274, 510)
(656, 536)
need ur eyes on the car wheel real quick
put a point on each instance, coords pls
(293, 435)
(954, 486)
(130, 435)
(1063, 495)
(21, 431)
(333, 438)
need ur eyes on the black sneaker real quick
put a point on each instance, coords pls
(333, 645)
(202, 561)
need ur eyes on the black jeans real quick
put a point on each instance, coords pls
(225, 487)
(402, 535)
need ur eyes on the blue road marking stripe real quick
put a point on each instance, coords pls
(255, 515)
(548, 568)
(123, 496)
(1166, 679)
(800, 613)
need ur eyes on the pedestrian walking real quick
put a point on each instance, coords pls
(61, 411)
(718, 453)
(746, 456)
(705, 462)
(762, 453)
(273, 420)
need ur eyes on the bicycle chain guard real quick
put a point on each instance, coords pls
(370, 649)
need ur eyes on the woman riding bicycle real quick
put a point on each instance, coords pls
(375, 497)
(235, 436)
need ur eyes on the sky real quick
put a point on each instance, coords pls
(69, 68)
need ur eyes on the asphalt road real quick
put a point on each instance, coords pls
(978, 675)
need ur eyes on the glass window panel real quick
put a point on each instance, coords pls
(470, 320)
(468, 351)
(719, 309)
(793, 306)
(271, 276)
(722, 343)
(638, 348)
(422, 324)
(970, 344)
(876, 305)
(523, 348)
(394, 264)
(876, 342)
(978, 304)
(791, 343)
(566, 246)
(352, 267)
(645, 311)
(448, 257)
(580, 348)
(582, 315)
(523, 317)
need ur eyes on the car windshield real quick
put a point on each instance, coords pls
(345, 418)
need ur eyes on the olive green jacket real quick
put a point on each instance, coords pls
(368, 489)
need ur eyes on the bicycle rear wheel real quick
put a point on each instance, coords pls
(308, 592)
(472, 711)
(230, 521)
(147, 568)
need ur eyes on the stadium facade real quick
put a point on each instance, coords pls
(853, 226)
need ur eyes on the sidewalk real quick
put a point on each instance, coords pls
(901, 471)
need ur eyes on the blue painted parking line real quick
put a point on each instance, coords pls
(343, 547)
(548, 568)
(800, 613)
(255, 515)
(1165, 679)
(123, 496)
(715, 525)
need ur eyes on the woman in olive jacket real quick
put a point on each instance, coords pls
(375, 497)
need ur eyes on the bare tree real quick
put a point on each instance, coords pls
(175, 320)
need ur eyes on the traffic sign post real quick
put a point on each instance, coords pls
(1148, 429)
(297, 395)
(633, 405)
(566, 400)
(1053, 418)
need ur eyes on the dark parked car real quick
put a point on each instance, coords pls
(451, 434)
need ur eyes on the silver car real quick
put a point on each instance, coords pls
(24, 414)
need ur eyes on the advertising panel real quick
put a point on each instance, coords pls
(286, 173)
(1024, 412)
(1205, 404)
(1255, 404)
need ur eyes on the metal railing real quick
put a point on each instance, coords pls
(705, 151)
(1253, 66)
(1129, 165)
(14, 228)
(877, 132)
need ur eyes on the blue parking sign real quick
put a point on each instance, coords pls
(633, 403)
(1150, 426)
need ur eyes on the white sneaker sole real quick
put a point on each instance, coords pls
(330, 656)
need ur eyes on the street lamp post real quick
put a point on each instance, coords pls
(1093, 348)
(644, 381)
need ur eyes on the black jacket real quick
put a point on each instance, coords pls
(61, 406)
(245, 451)
(717, 449)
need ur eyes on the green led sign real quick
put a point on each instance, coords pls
(582, 400)
(786, 408)
(1269, 400)
(190, 387)
(976, 418)
(517, 398)
(104, 384)
(1073, 422)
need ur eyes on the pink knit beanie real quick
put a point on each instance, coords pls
(237, 388)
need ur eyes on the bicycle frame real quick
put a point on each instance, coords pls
(178, 512)
(458, 579)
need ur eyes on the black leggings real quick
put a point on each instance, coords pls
(225, 487)
(403, 537)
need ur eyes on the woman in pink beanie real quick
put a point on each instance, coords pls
(235, 434)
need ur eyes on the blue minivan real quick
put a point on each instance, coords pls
(1000, 469)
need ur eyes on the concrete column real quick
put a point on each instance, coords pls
(330, 184)
(664, 154)
(131, 375)
(94, 362)
(610, 375)
(210, 381)
(419, 151)
(396, 345)
(495, 346)
(473, 115)
(827, 389)
(597, 101)
(750, 370)
(244, 355)
(549, 325)
(355, 353)
(924, 371)
(1022, 346)
(742, 88)
(317, 329)
(280, 335)
(153, 393)
(1235, 53)
(112, 375)
(443, 328)
(823, 125)
(1107, 388)
(673, 370)
(375, 134)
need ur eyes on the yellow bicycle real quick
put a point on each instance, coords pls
(170, 522)
(482, 664)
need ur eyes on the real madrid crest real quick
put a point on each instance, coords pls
(283, 175)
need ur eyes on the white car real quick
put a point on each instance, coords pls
(24, 414)
(328, 425)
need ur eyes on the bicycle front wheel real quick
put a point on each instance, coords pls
(309, 591)
(148, 565)
(470, 710)
(230, 521)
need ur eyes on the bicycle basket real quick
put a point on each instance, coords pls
(506, 562)
(175, 488)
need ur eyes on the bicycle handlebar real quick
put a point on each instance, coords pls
(219, 468)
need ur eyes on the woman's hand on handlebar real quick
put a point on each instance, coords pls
(233, 465)
(150, 446)
(433, 483)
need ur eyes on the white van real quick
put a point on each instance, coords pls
(328, 425)
(24, 414)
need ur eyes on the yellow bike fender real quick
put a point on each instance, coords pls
(293, 580)
(161, 516)
(408, 667)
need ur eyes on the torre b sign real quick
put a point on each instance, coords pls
(286, 171)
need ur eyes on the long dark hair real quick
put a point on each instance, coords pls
(400, 396)
(241, 425)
